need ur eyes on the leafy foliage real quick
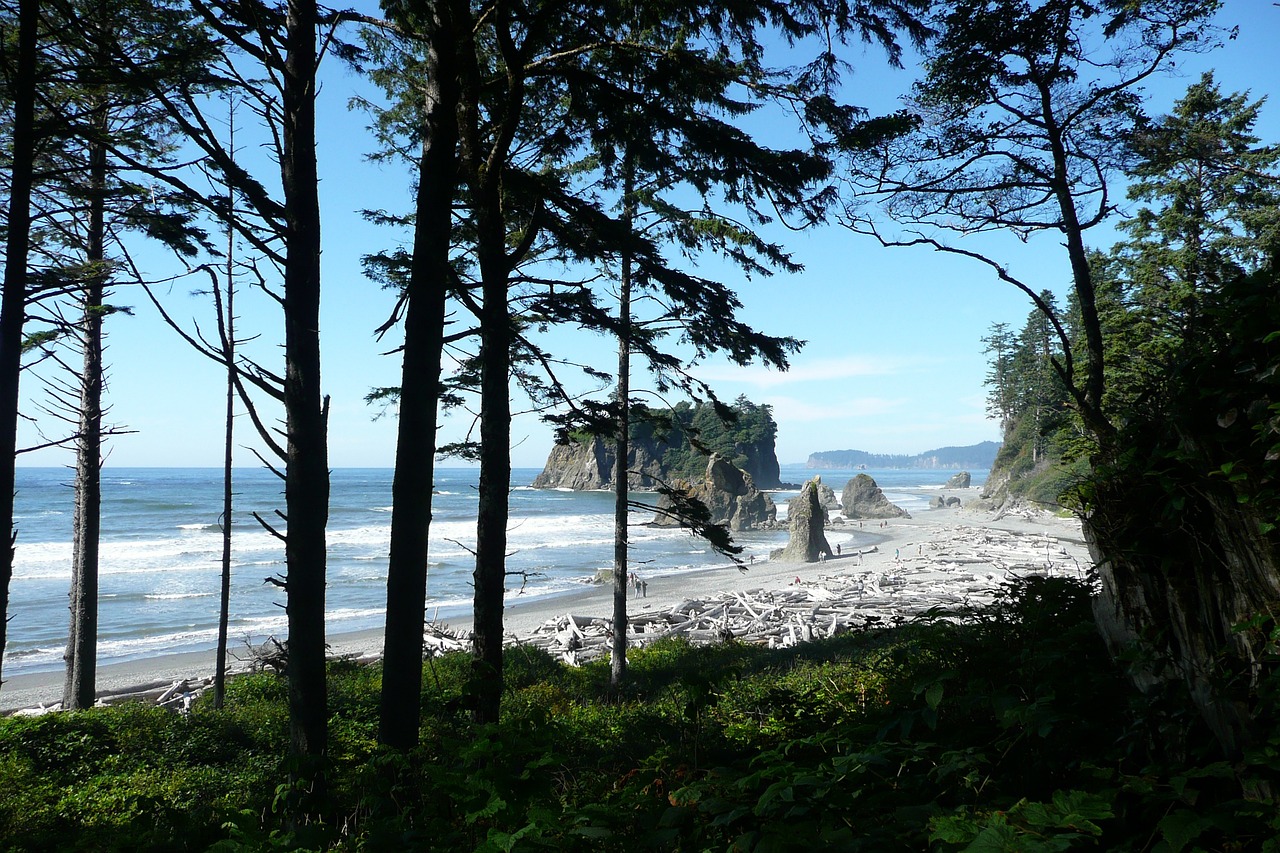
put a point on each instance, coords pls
(1007, 729)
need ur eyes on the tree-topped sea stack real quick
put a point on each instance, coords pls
(660, 449)
(805, 521)
(863, 499)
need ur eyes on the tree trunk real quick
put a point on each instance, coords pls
(495, 486)
(618, 664)
(428, 288)
(306, 413)
(227, 330)
(13, 300)
(1181, 585)
(82, 643)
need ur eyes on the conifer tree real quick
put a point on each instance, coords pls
(1019, 119)
(21, 83)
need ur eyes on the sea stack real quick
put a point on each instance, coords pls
(730, 495)
(805, 521)
(958, 481)
(863, 499)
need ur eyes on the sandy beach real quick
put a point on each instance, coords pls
(964, 549)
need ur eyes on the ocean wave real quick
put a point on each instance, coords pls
(175, 596)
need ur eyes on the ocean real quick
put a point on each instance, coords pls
(162, 544)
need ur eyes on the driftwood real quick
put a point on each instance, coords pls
(851, 599)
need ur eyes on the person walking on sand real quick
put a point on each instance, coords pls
(837, 549)
(644, 589)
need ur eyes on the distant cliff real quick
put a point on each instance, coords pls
(660, 449)
(979, 456)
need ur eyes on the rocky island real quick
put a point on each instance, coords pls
(661, 450)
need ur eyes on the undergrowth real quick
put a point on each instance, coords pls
(1001, 728)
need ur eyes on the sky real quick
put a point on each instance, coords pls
(893, 361)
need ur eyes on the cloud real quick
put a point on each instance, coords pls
(816, 370)
(790, 410)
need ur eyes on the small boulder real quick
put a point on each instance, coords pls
(863, 499)
(953, 501)
(937, 502)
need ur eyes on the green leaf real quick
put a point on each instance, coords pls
(1182, 827)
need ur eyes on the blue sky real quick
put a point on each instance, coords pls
(893, 362)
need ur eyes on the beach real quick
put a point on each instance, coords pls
(950, 554)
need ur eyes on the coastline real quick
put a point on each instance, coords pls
(942, 532)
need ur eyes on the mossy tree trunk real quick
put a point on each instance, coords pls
(1183, 566)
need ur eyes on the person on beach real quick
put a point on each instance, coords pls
(837, 549)
(644, 589)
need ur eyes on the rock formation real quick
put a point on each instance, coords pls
(730, 495)
(826, 495)
(805, 520)
(958, 481)
(589, 464)
(863, 499)
(661, 452)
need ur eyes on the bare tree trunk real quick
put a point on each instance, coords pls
(82, 643)
(306, 413)
(227, 332)
(618, 663)
(495, 486)
(13, 300)
(428, 288)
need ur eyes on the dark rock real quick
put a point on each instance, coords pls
(589, 465)
(863, 499)
(805, 520)
(958, 481)
(937, 502)
(826, 495)
(953, 501)
(731, 496)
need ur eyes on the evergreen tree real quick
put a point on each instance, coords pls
(1019, 114)
(21, 84)
(1211, 201)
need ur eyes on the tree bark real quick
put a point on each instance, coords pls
(618, 662)
(82, 642)
(427, 296)
(306, 413)
(13, 300)
(227, 330)
(495, 473)
(1180, 584)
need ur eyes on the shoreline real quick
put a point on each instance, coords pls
(944, 532)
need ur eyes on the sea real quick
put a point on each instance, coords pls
(161, 550)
